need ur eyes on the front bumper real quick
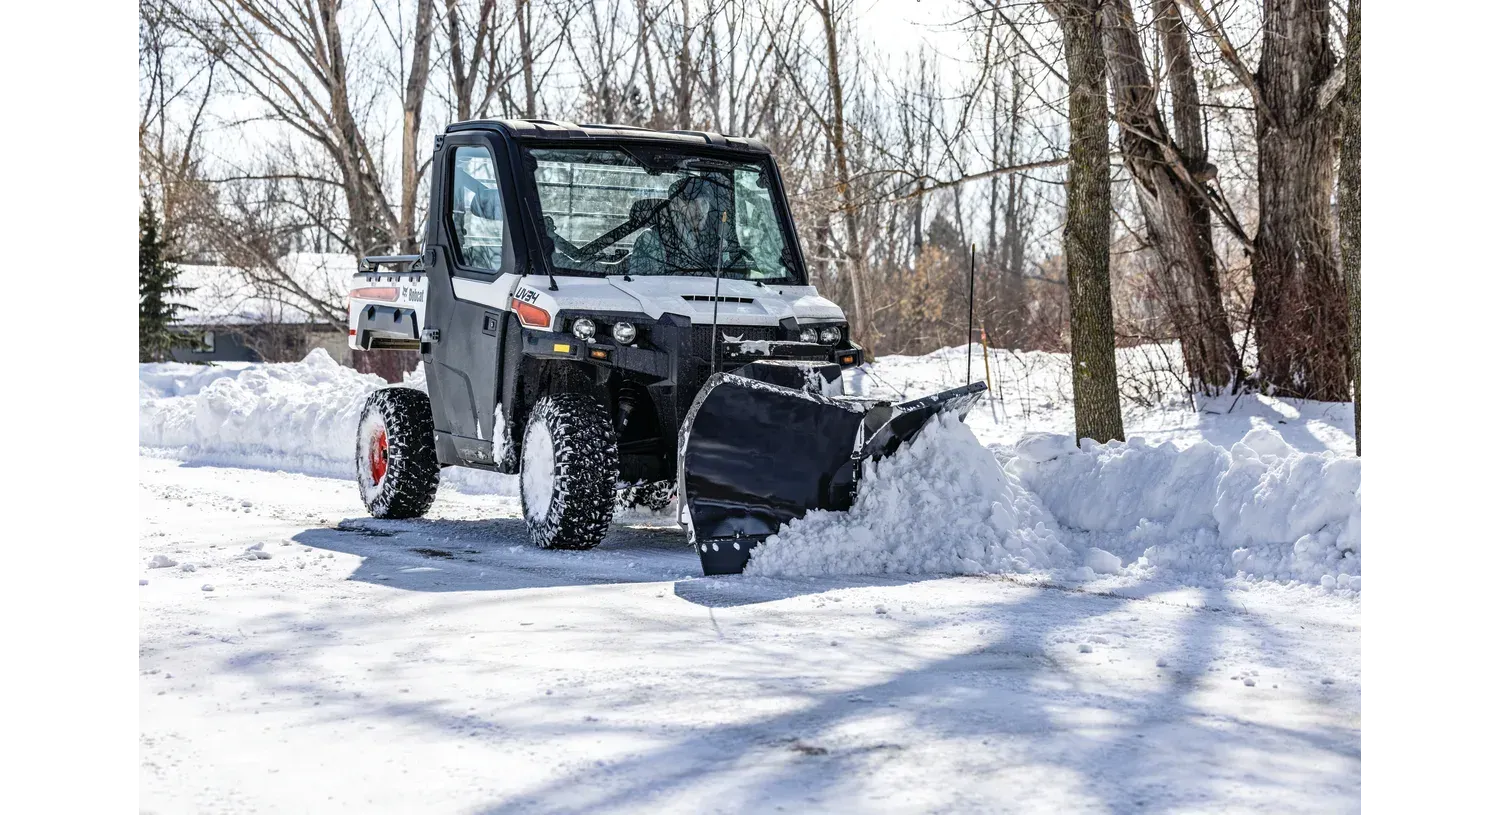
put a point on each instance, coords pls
(666, 359)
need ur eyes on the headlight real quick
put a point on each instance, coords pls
(829, 335)
(624, 333)
(583, 329)
(809, 335)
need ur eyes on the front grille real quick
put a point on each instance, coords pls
(703, 336)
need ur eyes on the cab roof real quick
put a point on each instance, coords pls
(548, 130)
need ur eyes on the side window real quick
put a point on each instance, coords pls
(478, 217)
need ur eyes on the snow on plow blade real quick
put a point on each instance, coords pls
(755, 455)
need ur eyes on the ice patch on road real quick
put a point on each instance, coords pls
(941, 504)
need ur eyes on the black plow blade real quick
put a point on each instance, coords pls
(754, 455)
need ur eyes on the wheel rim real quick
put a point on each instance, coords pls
(378, 458)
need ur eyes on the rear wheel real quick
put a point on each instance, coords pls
(395, 459)
(569, 463)
(652, 496)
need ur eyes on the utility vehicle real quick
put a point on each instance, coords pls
(601, 307)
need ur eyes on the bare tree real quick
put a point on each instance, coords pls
(171, 157)
(1172, 199)
(1301, 314)
(411, 124)
(838, 136)
(292, 59)
(1086, 238)
(472, 64)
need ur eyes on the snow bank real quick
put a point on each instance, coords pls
(939, 505)
(293, 416)
(943, 504)
(1260, 508)
(165, 379)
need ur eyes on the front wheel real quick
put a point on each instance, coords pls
(569, 463)
(395, 457)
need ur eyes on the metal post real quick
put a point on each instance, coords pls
(969, 337)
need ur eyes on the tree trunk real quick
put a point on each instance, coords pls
(528, 57)
(1190, 138)
(643, 46)
(411, 124)
(685, 73)
(1349, 204)
(854, 250)
(1302, 315)
(464, 77)
(1086, 231)
(1013, 245)
(1185, 275)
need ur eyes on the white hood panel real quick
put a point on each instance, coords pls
(770, 304)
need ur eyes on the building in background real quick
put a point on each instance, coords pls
(277, 315)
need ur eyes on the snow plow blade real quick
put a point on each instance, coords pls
(755, 455)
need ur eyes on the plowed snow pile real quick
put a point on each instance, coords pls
(1259, 508)
(294, 416)
(939, 505)
(297, 416)
(943, 505)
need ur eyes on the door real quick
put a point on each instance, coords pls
(471, 259)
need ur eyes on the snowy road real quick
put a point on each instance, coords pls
(443, 665)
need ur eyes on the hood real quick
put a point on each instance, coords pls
(752, 304)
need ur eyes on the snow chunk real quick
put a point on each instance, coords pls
(1102, 562)
(941, 504)
(1038, 447)
(1082, 574)
(160, 562)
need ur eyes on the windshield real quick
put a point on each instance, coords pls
(647, 211)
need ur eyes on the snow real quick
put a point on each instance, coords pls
(943, 505)
(537, 466)
(1004, 621)
(298, 416)
(1260, 509)
(444, 664)
(940, 505)
(762, 347)
(1183, 509)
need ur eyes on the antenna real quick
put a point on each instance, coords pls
(713, 337)
(969, 337)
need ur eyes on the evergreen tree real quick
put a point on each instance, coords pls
(158, 284)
